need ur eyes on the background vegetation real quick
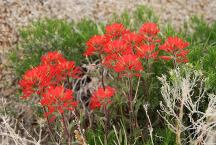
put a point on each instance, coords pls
(70, 38)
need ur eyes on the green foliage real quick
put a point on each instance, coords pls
(52, 35)
(143, 14)
(135, 19)
(165, 137)
(203, 49)
(203, 32)
(96, 137)
(169, 30)
(203, 57)
(202, 38)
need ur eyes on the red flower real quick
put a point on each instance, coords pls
(34, 80)
(94, 103)
(58, 99)
(150, 29)
(132, 39)
(149, 32)
(175, 47)
(67, 69)
(53, 70)
(128, 65)
(110, 60)
(59, 67)
(174, 44)
(101, 97)
(52, 58)
(154, 55)
(166, 57)
(115, 30)
(114, 50)
(95, 45)
(146, 51)
(117, 47)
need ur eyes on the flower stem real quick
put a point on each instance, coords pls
(102, 79)
(105, 108)
(49, 126)
(65, 129)
(106, 124)
(178, 125)
(102, 74)
(130, 105)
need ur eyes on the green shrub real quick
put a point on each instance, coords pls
(203, 32)
(52, 35)
(201, 36)
(203, 57)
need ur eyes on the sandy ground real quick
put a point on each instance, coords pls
(15, 14)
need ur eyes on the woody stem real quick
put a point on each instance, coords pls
(102, 74)
(49, 125)
(102, 79)
(130, 105)
(65, 129)
(106, 124)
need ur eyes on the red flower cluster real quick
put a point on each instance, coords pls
(147, 51)
(175, 47)
(128, 65)
(33, 81)
(149, 31)
(101, 97)
(122, 50)
(58, 99)
(115, 30)
(52, 58)
(44, 80)
(95, 45)
(54, 69)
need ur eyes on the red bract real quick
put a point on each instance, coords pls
(101, 97)
(149, 32)
(117, 47)
(115, 30)
(175, 47)
(128, 65)
(53, 70)
(67, 69)
(34, 80)
(149, 28)
(52, 58)
(174, 44)
(166, 57)
(58, 100)
(132, 39)
(109, 61)
(123, 47)
(94, 103)
(114, 50)
(95, 45)
(146, 51)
